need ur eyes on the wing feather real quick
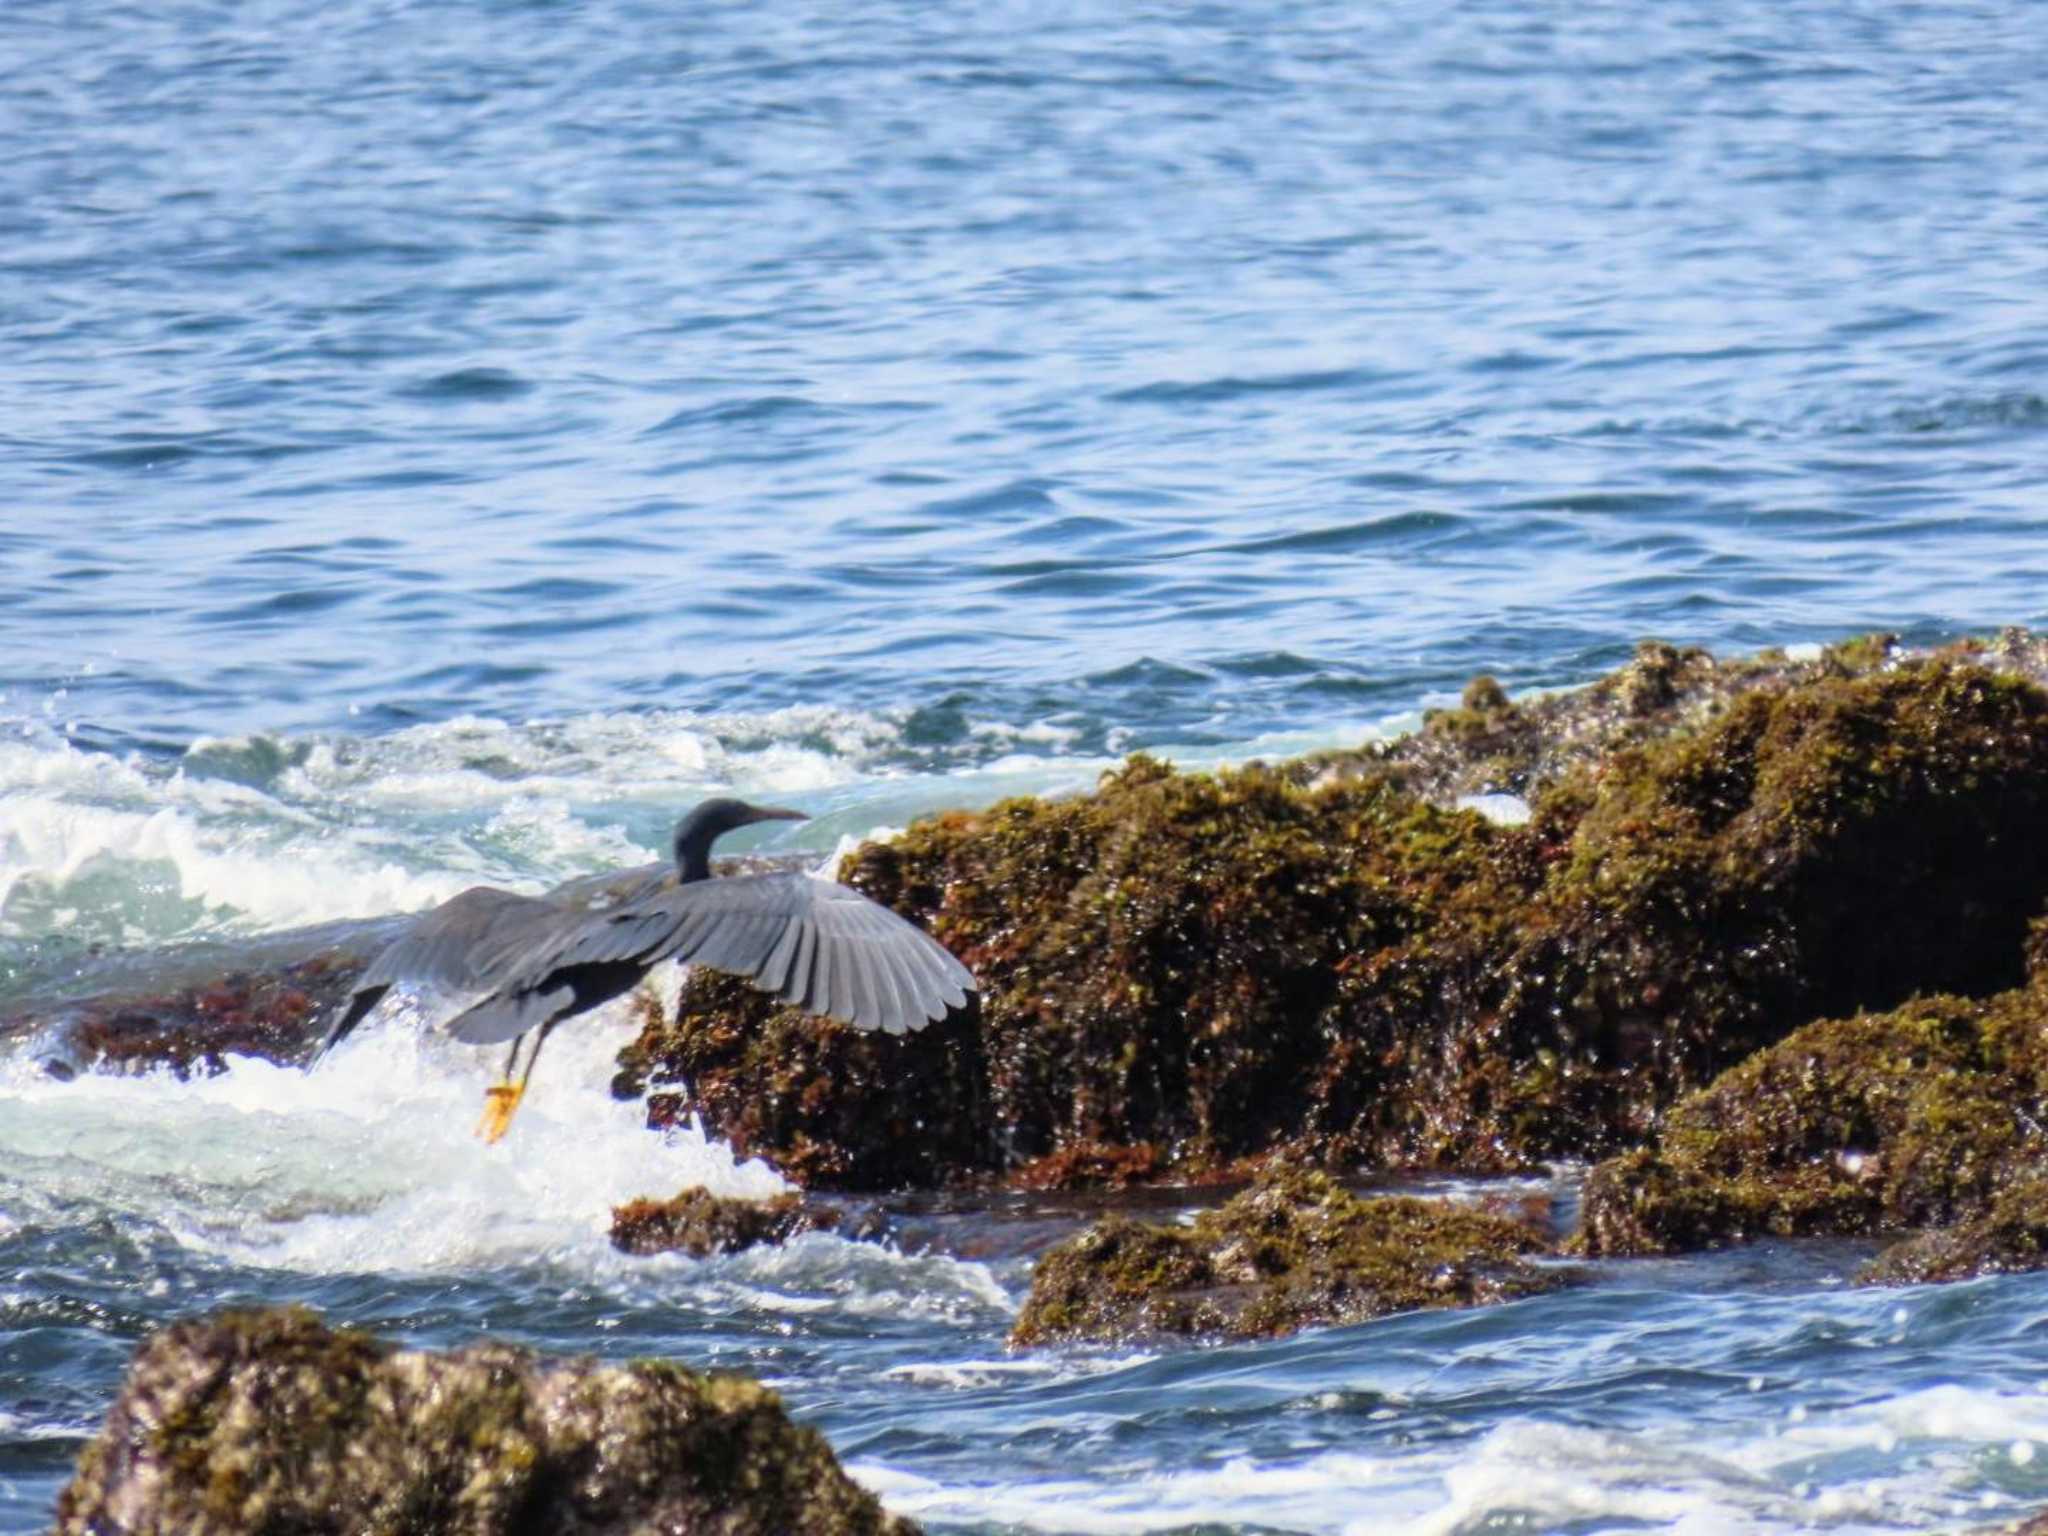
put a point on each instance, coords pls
(796, 984)
(781, 958)
(838, 980)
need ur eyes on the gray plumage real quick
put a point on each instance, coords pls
(496, 965)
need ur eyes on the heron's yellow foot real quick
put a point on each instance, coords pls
(501, 1103)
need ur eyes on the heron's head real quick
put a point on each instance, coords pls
(711, 820)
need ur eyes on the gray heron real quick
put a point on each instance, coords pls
(495, 966)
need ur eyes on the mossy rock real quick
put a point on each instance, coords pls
(699, 1223)
(1327, 966)
(272, 1424)
(1920, 1117)
(1294, 1250)
(2009, 1238)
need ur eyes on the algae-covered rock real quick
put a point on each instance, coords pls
(189, 1008)
(272, 1424)
(2012, 1236)
(700, 1223)
(1225, 968)
(1919, 1117)
(1294, 1250)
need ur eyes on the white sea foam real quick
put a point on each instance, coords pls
(1307, 1495)
(1921, 1460)
(820, 1273)
(250, 835)
(652, 754)
(366, 1163)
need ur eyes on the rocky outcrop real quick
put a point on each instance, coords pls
(1293, 1250)
(1924, 1116)
(1193, 973)
(267, 1423)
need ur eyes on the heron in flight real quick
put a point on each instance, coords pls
(500, 967)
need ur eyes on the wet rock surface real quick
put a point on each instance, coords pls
(2011, 1237)
(270, 1422)
(1923, 1116)
(1294, 1250)
(699, 1223)
(1189, 974)
(189, 1008)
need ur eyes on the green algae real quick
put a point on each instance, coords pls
(271, 1424)
(1292, 1251)
(1919, 1117)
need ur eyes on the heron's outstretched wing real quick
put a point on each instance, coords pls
(820, 946)
(441, 952)
(814, 943)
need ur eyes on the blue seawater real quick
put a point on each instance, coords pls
(439, 440)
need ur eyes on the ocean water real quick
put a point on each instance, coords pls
(437, 442)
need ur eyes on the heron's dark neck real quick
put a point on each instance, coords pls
(693, 858)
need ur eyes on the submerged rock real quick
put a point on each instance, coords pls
(1925, 1116)
(699, 1223)
(1317, 962)
(270, 1422)
(1294, 1250)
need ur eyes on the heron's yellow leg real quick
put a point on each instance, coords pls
(501, 1099)
(501, 1103)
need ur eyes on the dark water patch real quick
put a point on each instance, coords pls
(471, 384)
(1511, 362)
(1074, 530)
(589, 544)
(1269, 664)
(156, 454)
(463, 678)
(580, 622)
(1604, 503)
(1401, 528)
(281, 607)
(759, 411)
(46, 1456)
(1149, 672)
(1013, 497)
(2018, 411)
(559, 589)
(1075, 583)
(1233, 387)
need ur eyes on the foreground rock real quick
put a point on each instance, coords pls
(1294, 1250)
(1187, 974)
(1925, 1116)
(699, 1223)
(270, 1422)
